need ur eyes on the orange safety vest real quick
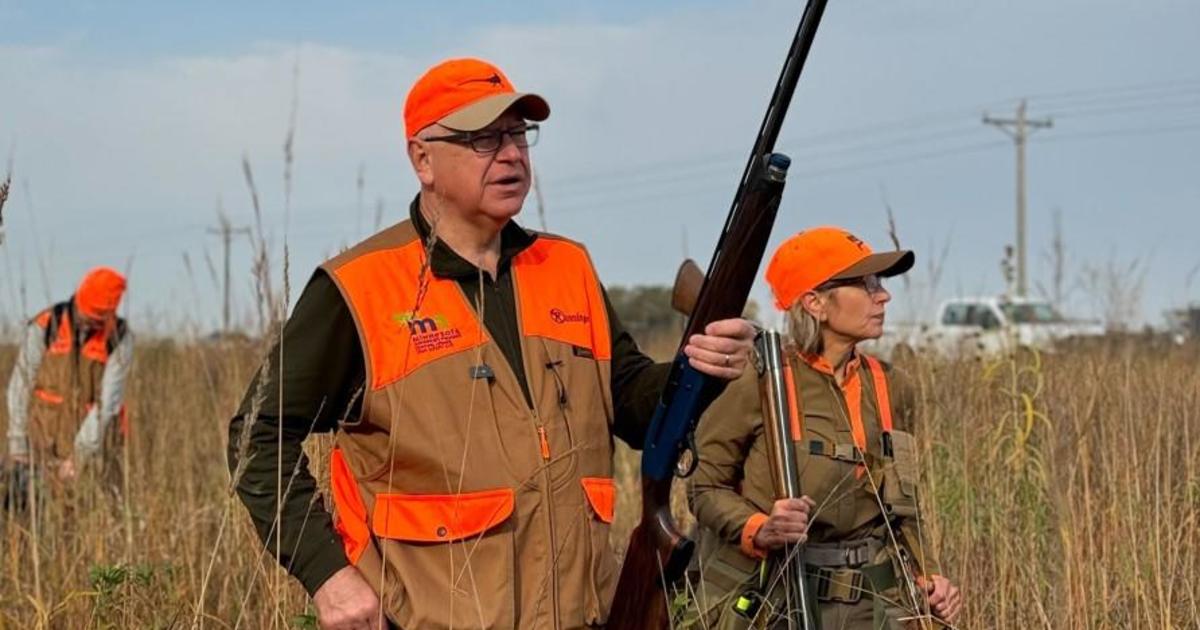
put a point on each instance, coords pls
(462, 504)
(68, 381)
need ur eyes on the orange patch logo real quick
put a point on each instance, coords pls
(429, 333)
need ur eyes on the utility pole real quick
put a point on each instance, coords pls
(1018, 129)
(541, 203)
(226, 231)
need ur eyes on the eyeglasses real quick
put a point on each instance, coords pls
(870, 283)
(489, 141)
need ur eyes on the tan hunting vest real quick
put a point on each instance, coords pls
(67, 383)
(463, 505)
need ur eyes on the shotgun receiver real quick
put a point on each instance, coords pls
(781, 427)
(658, 553)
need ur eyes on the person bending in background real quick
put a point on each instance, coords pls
(67, 389)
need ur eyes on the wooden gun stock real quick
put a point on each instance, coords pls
(686, 291)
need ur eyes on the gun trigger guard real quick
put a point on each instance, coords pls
(695, 458)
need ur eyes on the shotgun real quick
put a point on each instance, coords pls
(781, 427)
(658, 554)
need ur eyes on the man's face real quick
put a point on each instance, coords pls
(491, 185)
(89, 324)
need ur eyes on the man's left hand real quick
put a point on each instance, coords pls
(723, 351)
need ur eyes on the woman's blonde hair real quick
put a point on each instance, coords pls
(805, 330)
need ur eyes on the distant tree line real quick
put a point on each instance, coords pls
(646, 311)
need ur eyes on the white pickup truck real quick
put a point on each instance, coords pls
(985, 325)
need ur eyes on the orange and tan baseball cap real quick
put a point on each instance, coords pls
(99, 293)
(815, 256)
(466, 95)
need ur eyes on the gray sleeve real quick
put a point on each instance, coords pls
(112, 394)
(20, 385)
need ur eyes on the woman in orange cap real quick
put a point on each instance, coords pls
(865, 569)
(68, 384)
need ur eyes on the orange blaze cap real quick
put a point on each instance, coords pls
(818, 255)
(99, 293)
(466, 95)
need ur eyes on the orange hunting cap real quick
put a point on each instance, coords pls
(815, 256)
(99, 293)
(466, 95)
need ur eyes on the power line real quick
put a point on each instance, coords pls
(941, 124)
(1113, 133)
(714, 184)
(1131, 108)
(659, 176)
(1115, 91)
(608, 199)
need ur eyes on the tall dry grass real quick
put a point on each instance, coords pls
(169, 547)
(1063, 492)
(1064, 488)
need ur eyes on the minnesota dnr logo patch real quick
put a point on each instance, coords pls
(430, 332)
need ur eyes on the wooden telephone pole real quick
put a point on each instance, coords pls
(226, 232)
(1019, 128)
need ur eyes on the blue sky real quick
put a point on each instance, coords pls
(127, 126)
(138, 28)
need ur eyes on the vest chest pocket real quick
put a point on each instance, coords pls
(900, 475)
(578, 385)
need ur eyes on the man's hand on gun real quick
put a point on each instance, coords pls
(723, 351)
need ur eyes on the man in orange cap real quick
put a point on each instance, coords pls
(474, 375)
(68, 384)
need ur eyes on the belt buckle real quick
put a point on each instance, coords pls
(849, 591)
(833, 586)
(824, 580)
(856, 587)
(857, 556)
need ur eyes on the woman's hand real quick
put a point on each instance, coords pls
(945, 600)
(787, 524)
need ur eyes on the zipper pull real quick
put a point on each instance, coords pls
(544, 442)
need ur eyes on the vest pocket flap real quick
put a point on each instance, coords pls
(440, 517)
(900, 476)
(602, 496)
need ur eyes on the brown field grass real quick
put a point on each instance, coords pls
(1063, 492)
